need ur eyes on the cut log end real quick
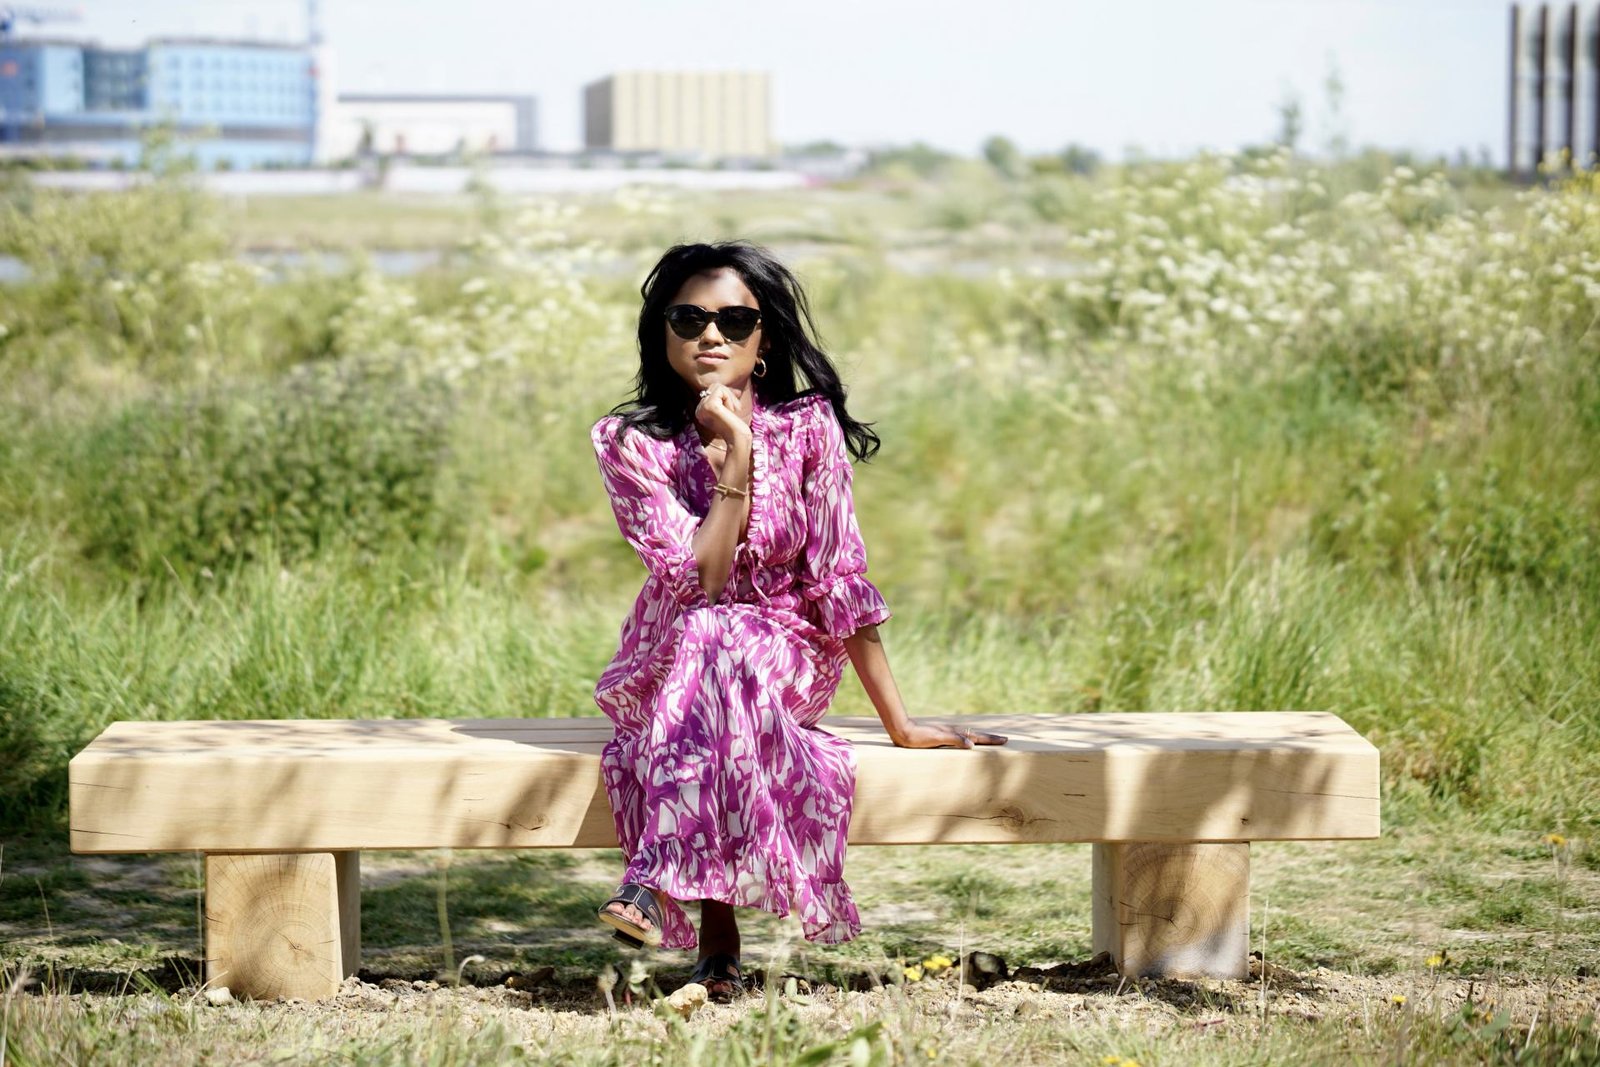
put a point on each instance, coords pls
(282, 925)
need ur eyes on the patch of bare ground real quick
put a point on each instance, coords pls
(1084, 1005)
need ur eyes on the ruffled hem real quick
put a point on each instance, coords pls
(826, 909)
(846, 603)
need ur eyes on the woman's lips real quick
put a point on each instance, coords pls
(711, 357)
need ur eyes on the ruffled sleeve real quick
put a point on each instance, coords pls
(650, 514)
(833, 580)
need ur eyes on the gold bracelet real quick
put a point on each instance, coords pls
(726, 491)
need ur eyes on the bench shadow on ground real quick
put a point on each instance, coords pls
(1087, 981)
(551, 959)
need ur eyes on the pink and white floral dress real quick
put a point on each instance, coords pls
(721, 783)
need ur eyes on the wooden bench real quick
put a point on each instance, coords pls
(283, 808)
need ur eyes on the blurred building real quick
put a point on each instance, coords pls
(715, 114)
(1554, 85)
(247, 103)
(425, 125)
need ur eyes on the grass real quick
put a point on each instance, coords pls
(1367, 907)
(1345, 927)
(1329, 443)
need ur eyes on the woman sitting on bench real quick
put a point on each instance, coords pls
(734, 488)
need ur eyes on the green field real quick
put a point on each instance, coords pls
(1232, 433)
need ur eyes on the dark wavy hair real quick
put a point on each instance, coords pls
(663, 403)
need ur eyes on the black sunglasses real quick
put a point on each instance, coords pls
(735, 322)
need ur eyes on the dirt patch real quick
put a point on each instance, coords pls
(1075, 1012)
(1063, 990)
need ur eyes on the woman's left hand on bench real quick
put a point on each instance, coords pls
(941, 735)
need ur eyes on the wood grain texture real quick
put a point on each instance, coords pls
(1173, 910)
(329, 785)
(282, 925)
(347, 874)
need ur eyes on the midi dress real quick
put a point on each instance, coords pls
(721, 783)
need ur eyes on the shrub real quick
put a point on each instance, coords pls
(132, 270)
(347, 451)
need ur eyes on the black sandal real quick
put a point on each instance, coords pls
(626, 930)
(721, 976)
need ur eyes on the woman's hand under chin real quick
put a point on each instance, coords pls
(718, 412)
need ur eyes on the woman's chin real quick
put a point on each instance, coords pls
(705, 377)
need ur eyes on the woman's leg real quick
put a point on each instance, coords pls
(719, 929)
(718, 968)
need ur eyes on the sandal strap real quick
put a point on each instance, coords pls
(640, 897)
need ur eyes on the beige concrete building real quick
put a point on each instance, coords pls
(710, 113)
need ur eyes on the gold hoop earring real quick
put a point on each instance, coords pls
(761, 368)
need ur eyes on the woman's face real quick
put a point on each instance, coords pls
(712, 359)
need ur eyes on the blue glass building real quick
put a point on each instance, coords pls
(245, 103)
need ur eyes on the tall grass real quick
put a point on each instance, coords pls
(1269, 438)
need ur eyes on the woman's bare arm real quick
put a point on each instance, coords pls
(714, 543)
(867, 656)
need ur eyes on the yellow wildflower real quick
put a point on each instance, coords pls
(914, 973)
(1554, 840)
(1435, 961)
(1398, 1000)
(935, 964)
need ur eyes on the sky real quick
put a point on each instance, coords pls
(1166, 76)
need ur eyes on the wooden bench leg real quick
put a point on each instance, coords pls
(1173, 910)
(282, 924)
